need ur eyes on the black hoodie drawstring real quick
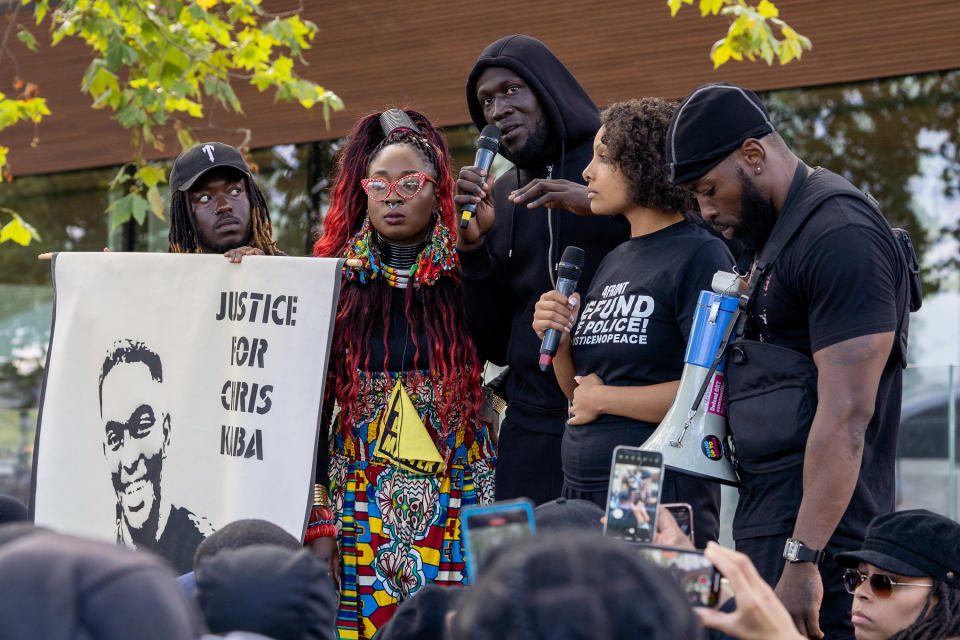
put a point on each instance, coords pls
(513, 221)
(563, 176)
(554, 222)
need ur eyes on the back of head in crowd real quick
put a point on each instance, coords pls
(13, 530)
(423, 617)
(12, 510)
(188, 168)
(59, 587)
(365, 304)
(905, 579)
(267, 589)
(244, 533)
(576, 586)
(564, 513)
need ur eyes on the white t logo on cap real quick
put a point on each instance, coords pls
(208, 149)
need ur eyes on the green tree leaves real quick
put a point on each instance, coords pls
(166, 62)
(751, 32)
(27, 38)
(27, 107)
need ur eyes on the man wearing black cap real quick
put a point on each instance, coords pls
(510, 250)
(814, 378)
(216, 206)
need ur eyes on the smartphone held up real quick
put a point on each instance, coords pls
(683, 515)
(698, 578)
(486, 528)
(635, 480)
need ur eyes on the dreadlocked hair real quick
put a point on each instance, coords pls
(183, 228)
(940, 617)
(437, 310)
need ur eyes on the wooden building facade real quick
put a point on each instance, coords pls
(375, 55)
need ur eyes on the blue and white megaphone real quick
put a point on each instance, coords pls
(694, 437)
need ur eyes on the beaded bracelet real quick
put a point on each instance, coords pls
(321, 524)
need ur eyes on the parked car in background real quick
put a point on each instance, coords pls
(923, 469)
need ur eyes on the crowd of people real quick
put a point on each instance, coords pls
(660, 196)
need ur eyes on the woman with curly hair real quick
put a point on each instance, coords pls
(621, 364)
(407, 448)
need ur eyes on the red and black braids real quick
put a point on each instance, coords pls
(438, 310)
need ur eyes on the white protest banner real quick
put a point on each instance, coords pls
(182, 393)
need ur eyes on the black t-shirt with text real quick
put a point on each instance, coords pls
(632, 331)
(839, 278)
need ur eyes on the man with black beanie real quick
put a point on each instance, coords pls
(510, 250)
(814, 379)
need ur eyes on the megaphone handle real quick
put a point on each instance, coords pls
(686, 425)
(718, 358)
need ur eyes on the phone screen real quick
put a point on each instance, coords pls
(692, 571)
(634, 493)
(486, 528)
(683, 514)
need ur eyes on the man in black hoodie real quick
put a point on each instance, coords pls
(510, 250)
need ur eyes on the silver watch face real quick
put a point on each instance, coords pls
(791, 549)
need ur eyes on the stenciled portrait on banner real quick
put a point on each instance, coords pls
(137, 429)
(192, 403)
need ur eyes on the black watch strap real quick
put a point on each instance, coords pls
(796, 551)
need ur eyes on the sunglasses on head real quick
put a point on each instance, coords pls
(406, 187)
(881, 583)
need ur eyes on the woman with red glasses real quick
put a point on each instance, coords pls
(407, 448)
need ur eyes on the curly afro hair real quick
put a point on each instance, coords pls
(635, 134)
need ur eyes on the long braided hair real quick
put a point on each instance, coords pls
(435, 310)
(940, 617)
(183, 228)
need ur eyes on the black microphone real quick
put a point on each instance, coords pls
(568, 273)
(487, 145)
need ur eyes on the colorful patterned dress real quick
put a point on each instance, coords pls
(399, 530)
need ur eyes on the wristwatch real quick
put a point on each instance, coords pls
(796, 551)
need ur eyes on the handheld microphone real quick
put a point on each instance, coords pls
(568, 273)
(487, 145)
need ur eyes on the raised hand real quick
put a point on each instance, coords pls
(559, 194)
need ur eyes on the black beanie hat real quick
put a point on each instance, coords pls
(709, 124)
(911, 543)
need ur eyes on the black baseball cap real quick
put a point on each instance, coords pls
(916, 543)
(709, 124)
(193, 163)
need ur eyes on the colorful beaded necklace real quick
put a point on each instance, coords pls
(437, 257)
